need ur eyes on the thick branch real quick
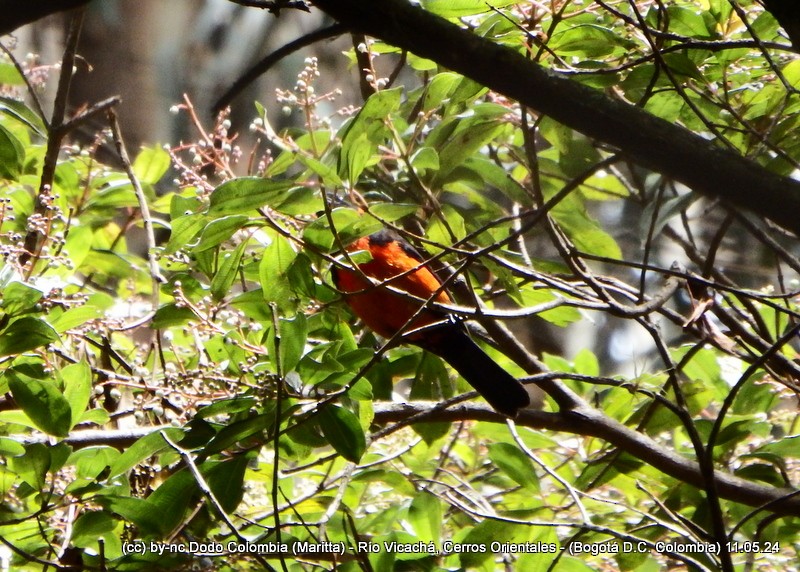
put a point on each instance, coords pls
(787, 13)
(16, 13)
(648, 140)
(589, 422)
(581, 421)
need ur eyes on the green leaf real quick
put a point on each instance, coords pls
(545, 559)
(151, 164)
(117, 194)
(142, 513)
(604, 186)
(294, 333)
(273, 271)
(246, 194)
(239, 431)
(227, 407)
(371, 117)
(32, 467)
(425, 515)
(181, 206)
(22, 113)
(170, 315)
(300, 201)
(438, 90)
(171, 499)
(341, 429)
(184, 229)
(587, 40)
(145, 447)
(91, 526)
(584, 231)
(79, 244)
(390, 212)
(228, 269)
(484, 533)
(425, 159)
(687, 21)
(762, 472)
(9, 74)
(226, 480)
(470, 135)
(306, 143)
(461, 8)
(93, 462)
(42, 403)
(12, 154)
(24, 335)
(77, 389)
(19, 297)
(514, 463)
(666, 105)
(95, 417)
(325, 171)
(220, 230)
(10, 447)
(349, 225)
(252, 304)
(354, 156)
(682, 64)
(74, 317)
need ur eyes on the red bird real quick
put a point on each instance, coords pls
(387, 312)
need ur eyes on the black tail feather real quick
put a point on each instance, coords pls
(503, 392)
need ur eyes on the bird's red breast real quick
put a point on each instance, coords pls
(396, 263)
(383, 311)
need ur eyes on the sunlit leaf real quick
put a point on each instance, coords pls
(243, 195)
(151, 164)
(42, 402)
(26, 334)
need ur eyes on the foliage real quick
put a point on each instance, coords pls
(239, 404)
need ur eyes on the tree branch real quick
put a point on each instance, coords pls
(648, 140)
(16, 13)
(787, 13)
(583, 421)
(589, 422)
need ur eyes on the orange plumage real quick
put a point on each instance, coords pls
(395, 262)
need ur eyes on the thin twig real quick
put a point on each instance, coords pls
(276, 358)
(155, 272)
(31, 90)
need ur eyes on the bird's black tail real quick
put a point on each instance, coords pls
(503, 392)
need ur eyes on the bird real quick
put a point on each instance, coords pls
(397, 264)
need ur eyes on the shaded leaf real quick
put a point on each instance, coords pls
(22, 113)
(343, 431)
(514, 463)
(12, 154)
(144, 447)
